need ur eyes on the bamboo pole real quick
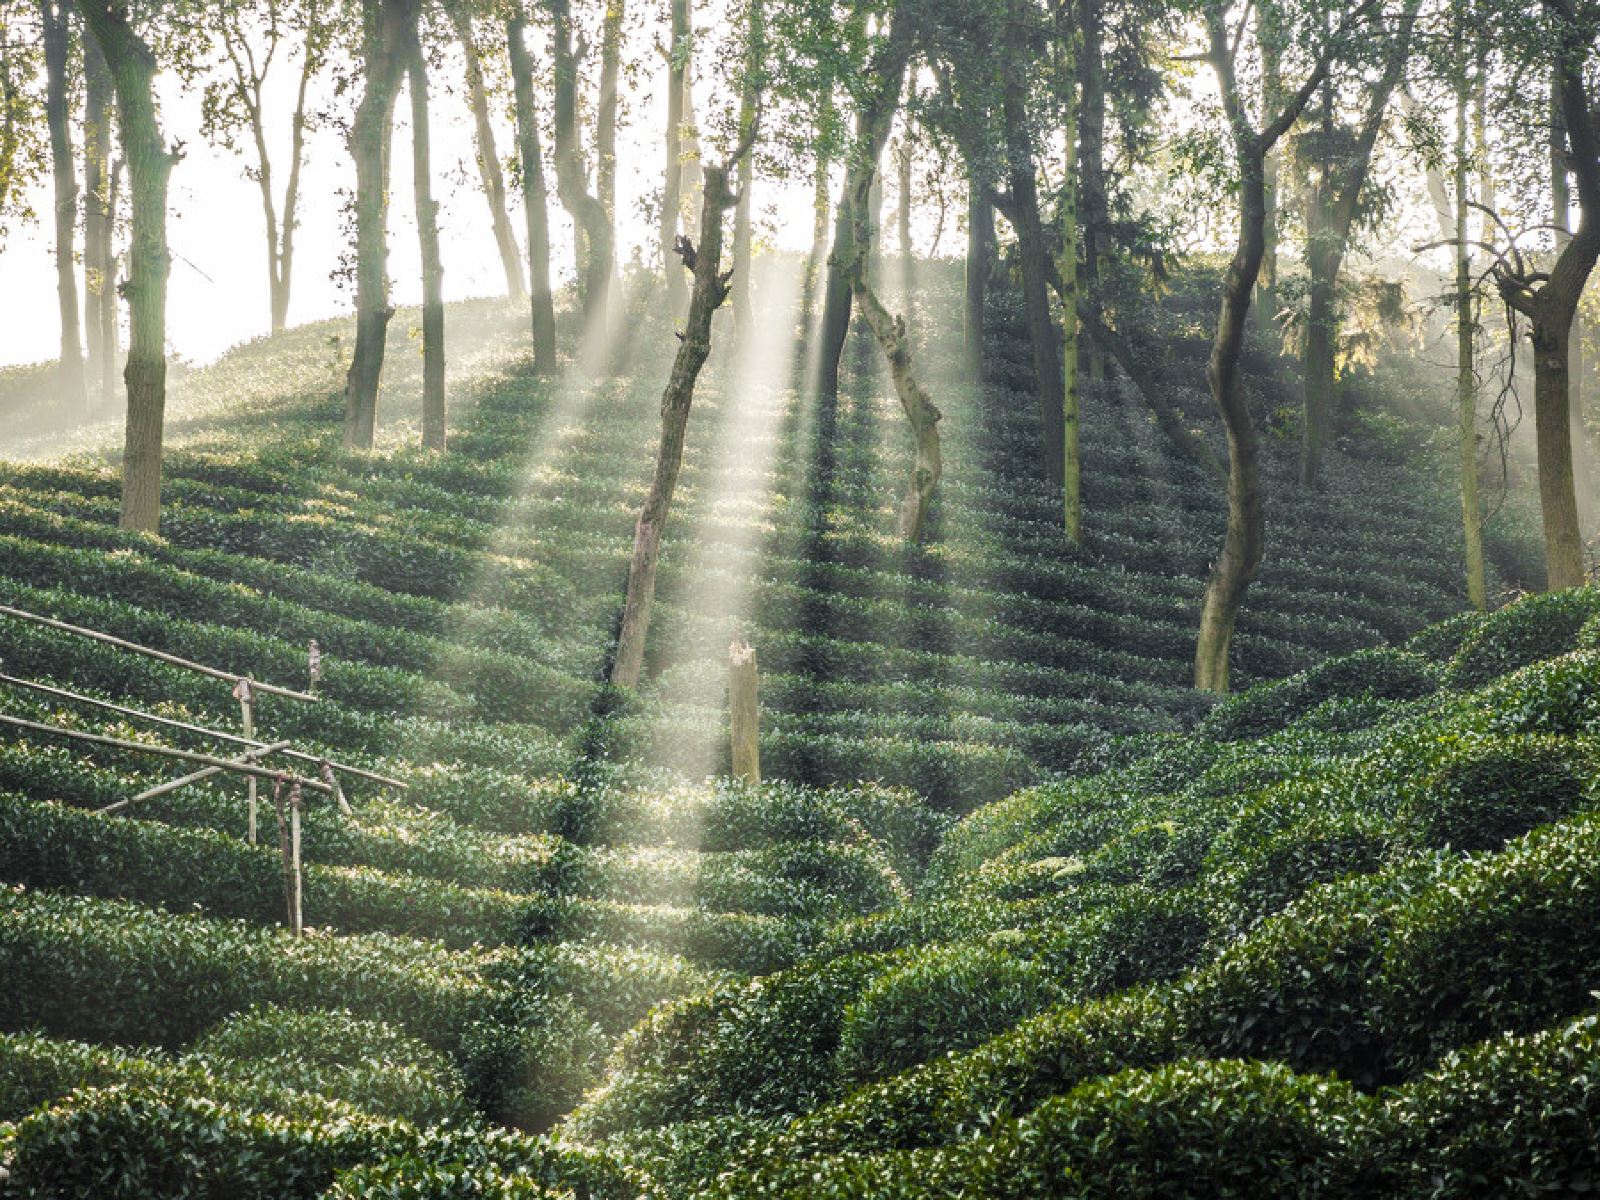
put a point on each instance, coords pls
(160, 655)
(208, 760)
(186, 727)
(172, 785)
(744, 717)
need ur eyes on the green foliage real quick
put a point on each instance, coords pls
(1383, 674)
(943, 998)
(1530, 630)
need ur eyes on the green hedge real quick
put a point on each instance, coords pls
(1534, 628)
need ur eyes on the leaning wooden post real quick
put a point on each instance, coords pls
(314, 663)
(744, 716)
(244, 692)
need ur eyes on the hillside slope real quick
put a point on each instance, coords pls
(557, 870)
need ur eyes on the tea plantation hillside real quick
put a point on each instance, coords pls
(1016, 912)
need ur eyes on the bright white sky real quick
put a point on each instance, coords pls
(218, 290)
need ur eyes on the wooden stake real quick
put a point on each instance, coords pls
(744, 715)
(296, 913)
(283, 849)
(246, 697)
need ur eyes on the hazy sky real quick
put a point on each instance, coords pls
(218, 291)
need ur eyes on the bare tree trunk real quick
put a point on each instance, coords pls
(99, 267)
(1022, 209)
(384, 24)
(672, 181)
(427, 209)
(694, 346)
(605, 122)
(902, 215)
(314, 48)
(587, 212)
(749, 106)
(57, 41)
(1270, 40)
(980, 262)
(535, 200)
(133, 71)
(1550, 305)
(490, 173)
(873, 123)
(1466, 375)
(1072, 470)
(1330, 214)
(1091, 163)
(821, 207)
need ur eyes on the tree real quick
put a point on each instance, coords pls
(99, 224)
(878, 104)
(749, 110)
(133, 71)
(711, 286)
(607, 108)
(251, 35)
(678, 51)
(877, 118)
(1549, 302)
(1336, 161)
(1235, 568)
(384, 37)
(535, 200)
(427, 211)
(487, 154)
(1021, 209)
(57, 42)
(587, 212)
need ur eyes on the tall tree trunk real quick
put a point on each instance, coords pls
(535, 199)
(890, 331)
(99, 266)
(587, 212)
(314, 48)
(1271, 43)
(605, 121)
(490, 173)
(672, 180)
(979, 264)
(902, 214)
(1071, 472)
(871, 135)
(427, 211)
(1550, 307)
(1330, 214)
(133, 71)
(1466, 374)
(1022, 209)
(1236, 567)
(1091, 162)
(837, 297)
(749, 107)
(384, 24)
(57, 43)
(694, 346)
(821, 206)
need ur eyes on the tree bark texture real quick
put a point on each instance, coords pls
(133, 72)
(694, 347)
(678, 50)
(535, 200)
(979, 265)
(490, 173)
(427, 212)
(384, 39)
(99, 262)
(587, 211)
(64, 168)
